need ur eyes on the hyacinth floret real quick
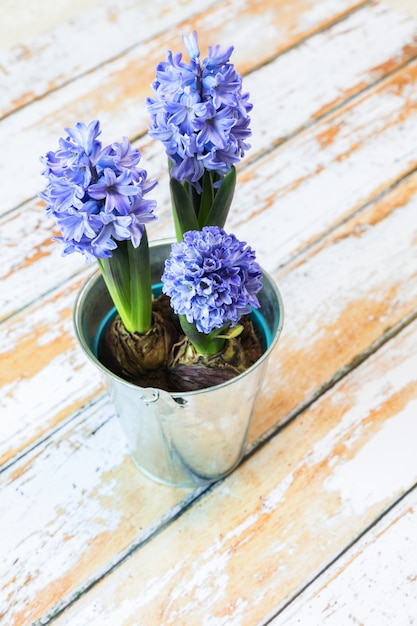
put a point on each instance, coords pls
(212, 278)
(199, 112)
(96, 194)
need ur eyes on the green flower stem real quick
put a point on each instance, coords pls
(204, 344)
(127, 275)
(141, 284)
(192, 210)
(223, 197)
(207, 198)
(183, 211)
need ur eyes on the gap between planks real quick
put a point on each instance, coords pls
(115, 36)
(335, 596)
(327, 450)
(59, 305)
(39, 256)
(39, 126)
(387, 216)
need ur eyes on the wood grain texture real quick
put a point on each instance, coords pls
(342, 295)
(328, 197)
(70, 496)
(33, 69)
(375, 582)
(116, 92)
(328, 171)
(323, 317)
(45, 378)
(52, 59)
(26, 232)
(328, 324)
(284, 515)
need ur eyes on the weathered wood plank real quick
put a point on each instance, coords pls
(72, 494)
(322, 318)
(44, 376)
(32, 262)
(283, 516)
(340, 297)
(116, 92)
(321, 176)
(32, 69)
(327, 325)
(52, 59)
(373, 583)
(77, 505)
(362, 53)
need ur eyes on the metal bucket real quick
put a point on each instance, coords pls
(181, 439)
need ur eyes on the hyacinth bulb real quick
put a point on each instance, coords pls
(191, 371)
(141, 358)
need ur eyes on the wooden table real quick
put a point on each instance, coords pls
(318, 526)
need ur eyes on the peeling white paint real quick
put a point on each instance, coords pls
(209, 561)
(57, 506)
(324, 185)
(44, 121)
(28, 405)
(374, 583)
(383, 257)
(318, 11)
(383, 466)
(277, 495)
(66, 491)
(367, 399)
(330, 62)
(53, 57)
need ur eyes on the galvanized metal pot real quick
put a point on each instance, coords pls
(182, 439)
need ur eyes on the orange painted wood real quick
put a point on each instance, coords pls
(373, 583)
(35, 68)
(271, 527)
(328, 326)
(341, 296)
(328, 197)
(73, 494)
(382, 281)
(283, 179)
(116, 92)
(38, 67)
(44, 378)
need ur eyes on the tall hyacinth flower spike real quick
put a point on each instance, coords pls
(200, 114)
(97, 197)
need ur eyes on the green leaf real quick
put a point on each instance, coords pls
(207, 198)
(209, 344)
(127, 277)
(115, 271)
(140, 285)
(222, 201)
(232, 332)
(183, 211)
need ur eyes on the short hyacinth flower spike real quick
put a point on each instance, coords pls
(212, 279)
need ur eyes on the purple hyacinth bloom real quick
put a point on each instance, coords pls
(116, 191)
(96, 194)
(199, 112)
(212, 278)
